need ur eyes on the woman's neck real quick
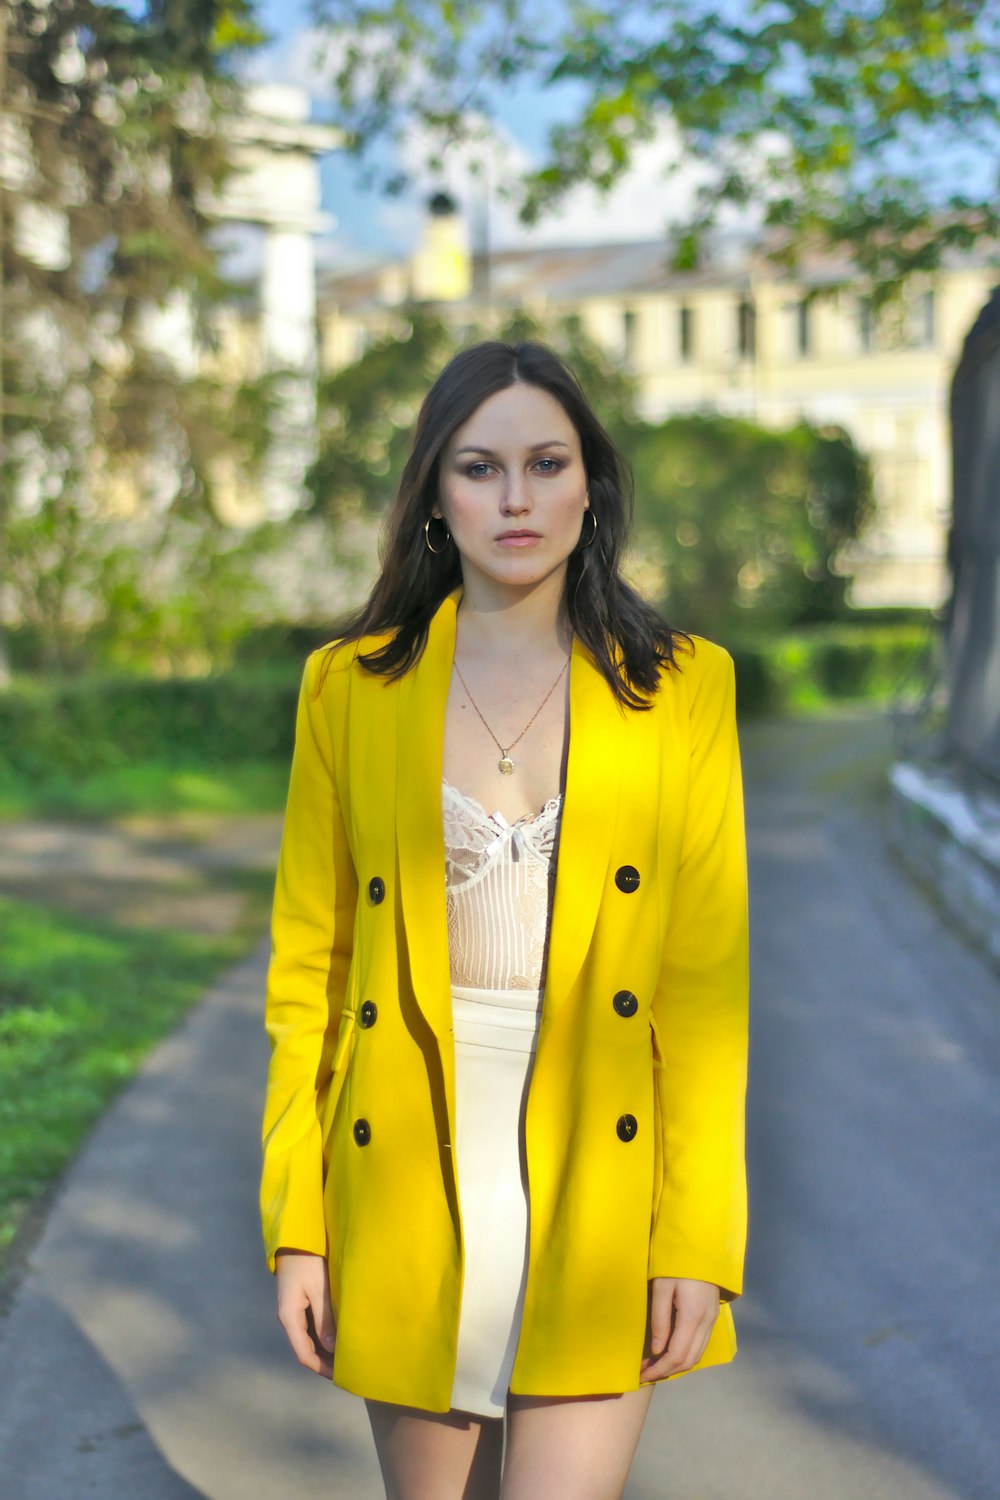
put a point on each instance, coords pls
(531, 623)
(496, 621)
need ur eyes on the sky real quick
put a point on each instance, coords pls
(370, 224)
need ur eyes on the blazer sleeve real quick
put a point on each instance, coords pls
(700, 1008)
(311, 939)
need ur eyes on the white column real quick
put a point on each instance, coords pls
(288, 300)
(278, 187)
(288, 343)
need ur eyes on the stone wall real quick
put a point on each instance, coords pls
(948, 835)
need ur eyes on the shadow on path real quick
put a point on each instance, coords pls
(67, 1424)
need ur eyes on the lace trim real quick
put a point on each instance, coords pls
(500, 879)
(475, 840)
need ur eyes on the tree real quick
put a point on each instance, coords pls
(365, 412)
(864, 124)
(111, 153)
(749, 524)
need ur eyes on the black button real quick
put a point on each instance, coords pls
(376, 889)
(628, 1127)
(363, 1132)
(627, 878)
(369, 1014)
(625, 1003)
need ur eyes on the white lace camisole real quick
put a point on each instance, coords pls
(499, 882)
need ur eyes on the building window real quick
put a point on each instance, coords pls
(908, 321)
(746, 330)
(629, 336)
(924, 321)
(685, 333)
(803, 328)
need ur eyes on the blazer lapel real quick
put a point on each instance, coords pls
(590, 813)
(590, 810)
(419, 768)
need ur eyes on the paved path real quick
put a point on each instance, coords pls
(140, 871)
(141, 1360)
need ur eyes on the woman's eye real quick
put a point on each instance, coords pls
(476, 470)
(554, 465)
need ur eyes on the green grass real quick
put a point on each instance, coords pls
(245, 787)
(80, 1005)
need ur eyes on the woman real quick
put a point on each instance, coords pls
(459, 1033)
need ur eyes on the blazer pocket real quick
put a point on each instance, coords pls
(345, 1038)
(338, 1071)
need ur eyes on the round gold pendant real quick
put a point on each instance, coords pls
(506, 765)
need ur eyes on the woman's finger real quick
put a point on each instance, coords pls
(322, 1351)
(323, 1328)
(686, 1325)
(683, 1357)
(694, 1319)
(661, 1311)
(293, 1319)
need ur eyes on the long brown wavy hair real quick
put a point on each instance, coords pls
(628, 639)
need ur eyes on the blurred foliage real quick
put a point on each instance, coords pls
(89, 724)
(244, 788)
(204, 35)
(813, 669)
(863, 126)
(748, 523)
(155, 594)
(116, 153)
(366, 412)
(182, 603)
(279, 643)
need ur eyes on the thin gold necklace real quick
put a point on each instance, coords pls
(505, 765)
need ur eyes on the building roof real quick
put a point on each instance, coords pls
(571, 272)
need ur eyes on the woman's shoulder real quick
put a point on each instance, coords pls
(331, 667)
(699, 665)
(708, 657)
(698, 687)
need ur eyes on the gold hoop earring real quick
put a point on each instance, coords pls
(427, 536)
(590, 540)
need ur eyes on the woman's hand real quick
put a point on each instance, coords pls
(304, 1310)
(682, 1313)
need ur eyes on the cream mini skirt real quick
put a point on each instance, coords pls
(495, 1034)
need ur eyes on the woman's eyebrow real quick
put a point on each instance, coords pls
(535, 447)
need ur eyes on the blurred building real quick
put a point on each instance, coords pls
(274, 192)
(738, 336)
(276, 149)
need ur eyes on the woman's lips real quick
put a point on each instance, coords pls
(518, 538)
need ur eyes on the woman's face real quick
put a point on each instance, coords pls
(513, 488)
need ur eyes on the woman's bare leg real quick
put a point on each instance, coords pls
(426, 1456)
(573, 1449)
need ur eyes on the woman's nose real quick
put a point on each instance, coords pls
(516, 499)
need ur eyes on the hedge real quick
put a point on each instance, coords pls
(88, 725)
(808, 668)
(101, 724)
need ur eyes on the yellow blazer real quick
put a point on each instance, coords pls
(650, 898)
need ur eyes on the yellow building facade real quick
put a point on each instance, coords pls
(737, 336)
